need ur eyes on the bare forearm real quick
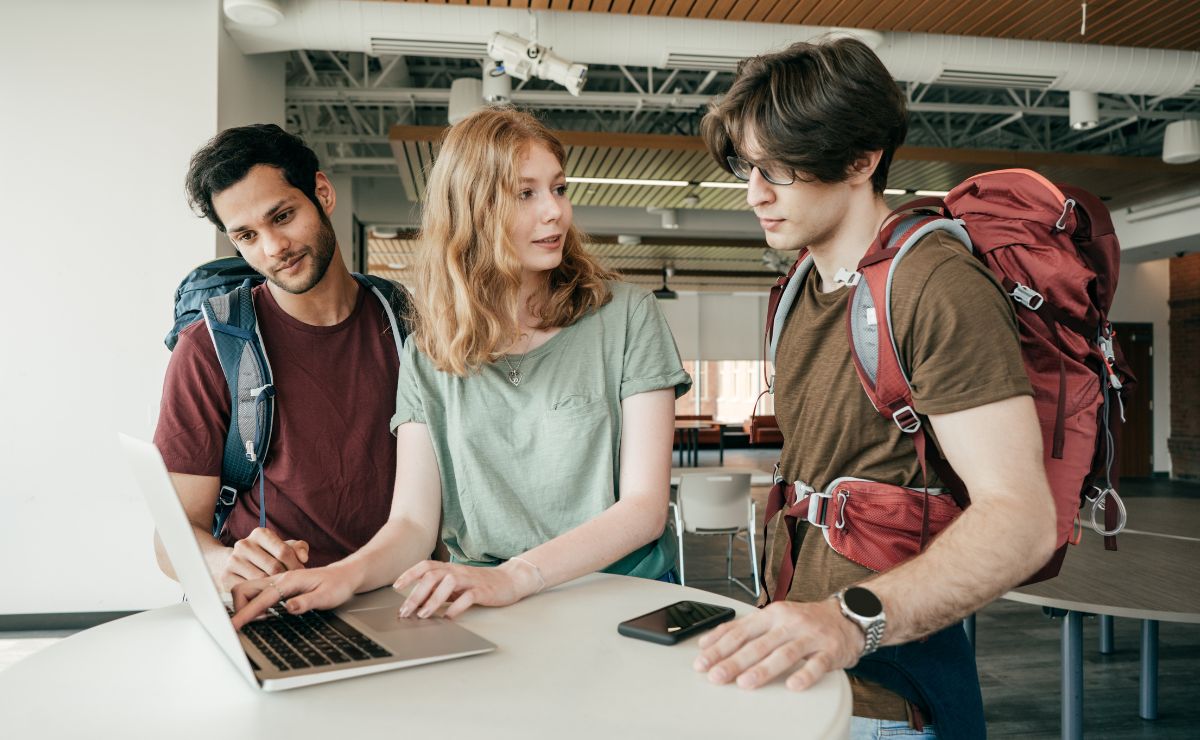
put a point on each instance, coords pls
(397, 546)
(621, 529)
(994, 545)
(216, 555)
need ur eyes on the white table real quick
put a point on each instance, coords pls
(1152, 577)
(561, 670)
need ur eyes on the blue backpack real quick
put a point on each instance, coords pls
(219, 293)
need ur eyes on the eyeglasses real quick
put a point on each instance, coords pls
(742, 170)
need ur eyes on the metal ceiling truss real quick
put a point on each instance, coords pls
(345, 103)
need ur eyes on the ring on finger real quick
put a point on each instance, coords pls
(282, 598)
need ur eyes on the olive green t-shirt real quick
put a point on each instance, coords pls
(957, 335)
(521, 465)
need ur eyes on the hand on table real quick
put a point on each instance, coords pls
(757, 648)
(463, 586)
(298, 590)
(262, 553)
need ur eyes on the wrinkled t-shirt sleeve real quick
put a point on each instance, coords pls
(651, 358)
(193, 417)
(409, 406)
(965, 348)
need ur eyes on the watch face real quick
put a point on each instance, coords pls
(862, 602)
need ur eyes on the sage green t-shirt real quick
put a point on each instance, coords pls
(521, 465)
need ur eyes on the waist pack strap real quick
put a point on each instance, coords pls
(798, 502)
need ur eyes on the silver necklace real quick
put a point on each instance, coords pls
(514, 373)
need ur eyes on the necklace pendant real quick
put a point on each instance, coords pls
(514, 377)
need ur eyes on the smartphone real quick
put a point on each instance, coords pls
(673, 623)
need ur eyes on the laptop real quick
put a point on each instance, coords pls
(285, 651)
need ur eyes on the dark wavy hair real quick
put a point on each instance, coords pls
(231, 154)
(814, 107)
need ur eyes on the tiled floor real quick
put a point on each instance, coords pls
(1018, 653)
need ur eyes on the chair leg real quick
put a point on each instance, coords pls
(729, 559)
(754, 562)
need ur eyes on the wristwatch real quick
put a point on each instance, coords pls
(864, 608)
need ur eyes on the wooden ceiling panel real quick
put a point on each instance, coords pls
(1160, 24)
(1120, 180)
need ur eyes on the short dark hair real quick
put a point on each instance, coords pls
(231, 154)
(814, 107)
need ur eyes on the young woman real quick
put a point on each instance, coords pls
(535, 403)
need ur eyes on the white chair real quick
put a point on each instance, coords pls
(717, 504)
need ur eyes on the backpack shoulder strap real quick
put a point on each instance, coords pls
(394, 298)
(873, 345)
(783, 297)
(233, 327)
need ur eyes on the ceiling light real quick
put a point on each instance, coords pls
(1085, 110)
(497, 86)
(259, 13)
(669, 220)
(931, 193)
(384, 232)
(466, 97)
(629, 240)
(628, 181)
(894, 191)
(740, 185)
(665, 293)
(1181, 142)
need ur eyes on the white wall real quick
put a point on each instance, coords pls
(103, 104)
(250, 89)
(717, 326)
(1142, 294)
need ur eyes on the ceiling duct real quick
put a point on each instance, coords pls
(406, 46)
(595, 38)
(702, 60)
(994, 78)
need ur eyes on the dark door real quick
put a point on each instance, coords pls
(1136, 453)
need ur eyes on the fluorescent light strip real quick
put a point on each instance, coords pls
(624, 181)
(894, 191)
(932, 193)
(730, 185)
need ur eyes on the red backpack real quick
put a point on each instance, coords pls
(1054, 251)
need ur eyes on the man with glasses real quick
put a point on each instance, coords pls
(813, 130)
(327, 476)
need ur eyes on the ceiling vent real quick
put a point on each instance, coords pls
(988, 78)
(410, 47)
(703, 61)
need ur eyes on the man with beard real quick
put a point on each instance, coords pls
(327, 479)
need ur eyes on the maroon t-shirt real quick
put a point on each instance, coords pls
(332, 460)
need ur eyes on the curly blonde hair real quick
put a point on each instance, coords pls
(467, 275)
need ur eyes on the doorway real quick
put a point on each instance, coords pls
(1136, 454)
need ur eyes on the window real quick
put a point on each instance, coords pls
(726, 389)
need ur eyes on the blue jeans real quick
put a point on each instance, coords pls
(862, 728)
(668, 577)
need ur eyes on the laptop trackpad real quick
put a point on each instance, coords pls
(387, 619)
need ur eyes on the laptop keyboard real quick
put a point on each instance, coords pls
(315, 638)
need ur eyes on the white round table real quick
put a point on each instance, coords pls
(560, 670)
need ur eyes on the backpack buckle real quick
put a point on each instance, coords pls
(907, 419)
(1027, 297)
(818, 504)
(1061, 223)
(846, 277)
(227, 496)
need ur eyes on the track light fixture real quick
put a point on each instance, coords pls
(522, 59)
